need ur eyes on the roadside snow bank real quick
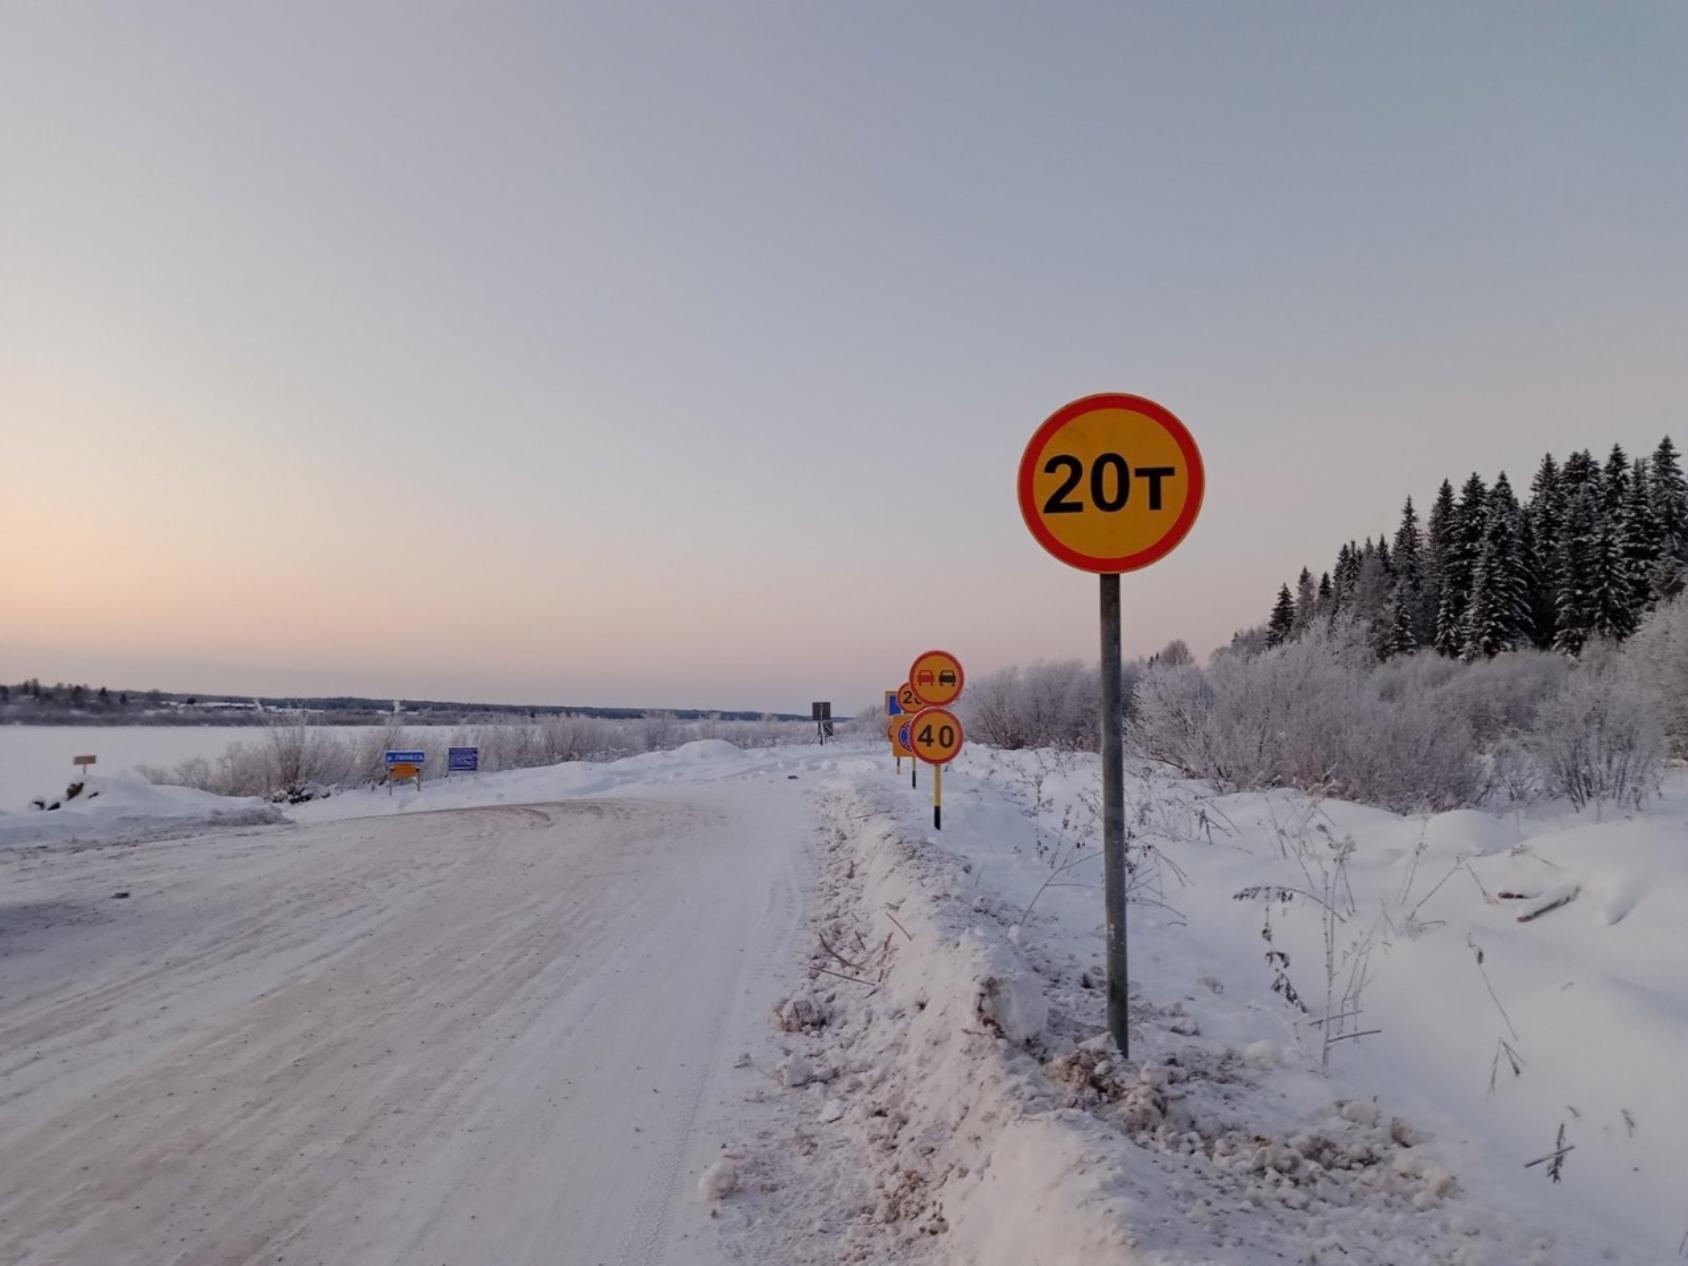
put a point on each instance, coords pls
(965, 1053)
(117, 808)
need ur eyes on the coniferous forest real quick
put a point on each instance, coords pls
(1590, 550)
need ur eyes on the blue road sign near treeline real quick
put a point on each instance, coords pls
(462, 760)
(407, 758)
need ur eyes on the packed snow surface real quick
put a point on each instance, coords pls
(712, 1005)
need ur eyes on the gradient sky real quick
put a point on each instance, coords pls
(683, 354)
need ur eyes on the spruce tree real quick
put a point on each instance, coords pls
(1371, 603)
(1670, 510)
(1346, 574)
(1459, 562)
(1614, 482)
(1579, 470)
(1306, 601)
(1403, 639)
(1546, 523)
(1640, 541)
(1614, 616)
(1282, 621)
(1436, 533)
(1409, 570)
(1579, 580)
(1496, 617)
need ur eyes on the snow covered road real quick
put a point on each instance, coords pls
(481, 1035)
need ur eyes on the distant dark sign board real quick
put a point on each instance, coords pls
(822, 710)
(462, 760)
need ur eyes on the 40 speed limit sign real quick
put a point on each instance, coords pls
(1111, 483)
(935, 735)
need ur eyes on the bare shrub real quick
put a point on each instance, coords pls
(1043, 705)
(1306, 714)
(1659, 655)
(1601, 741)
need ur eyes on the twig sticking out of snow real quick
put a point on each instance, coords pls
(857, 979)
(1502, 1047)
(1551, 900)
(1477, 950)
(1554, 1160)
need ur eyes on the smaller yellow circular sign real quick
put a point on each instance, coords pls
(910, 702)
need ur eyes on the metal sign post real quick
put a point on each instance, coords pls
(1108, 484)
(935, 734)
(1113, 813)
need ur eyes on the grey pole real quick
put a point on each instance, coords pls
(1113, 812)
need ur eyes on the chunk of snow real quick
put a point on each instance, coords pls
(1264, 1054)
(1015, 1004)
(719, 1181)
(795, 1071)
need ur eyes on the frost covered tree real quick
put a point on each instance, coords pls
(1306, 603)
(1497, 615)
(1669, 492)
(1641, 539)
(1579, 579)
(1546, 519)
(1403, 638)
(1614, 482)
(1409, 573)
(1464, 541)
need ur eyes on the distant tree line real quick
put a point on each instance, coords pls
(30, 702)
(1586, 556)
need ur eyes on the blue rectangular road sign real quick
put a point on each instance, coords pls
(462, 760)
(406, 758)
(892, 707)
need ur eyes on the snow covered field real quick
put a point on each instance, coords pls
(535, 1025)
(35, 759)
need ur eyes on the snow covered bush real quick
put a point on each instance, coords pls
(1307, 714)
(1600, 741)
(1496, 696)
(1658, 654)
(1043, 705)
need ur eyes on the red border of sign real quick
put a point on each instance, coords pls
(960, 678)
(1180, 527)
(960, 735)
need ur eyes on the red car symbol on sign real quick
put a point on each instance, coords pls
(926, 678)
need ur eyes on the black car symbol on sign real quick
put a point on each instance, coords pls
(946, 678)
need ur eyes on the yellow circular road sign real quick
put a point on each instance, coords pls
(937, 678)
(910, 702)
(1111, 483)
(935, 734)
